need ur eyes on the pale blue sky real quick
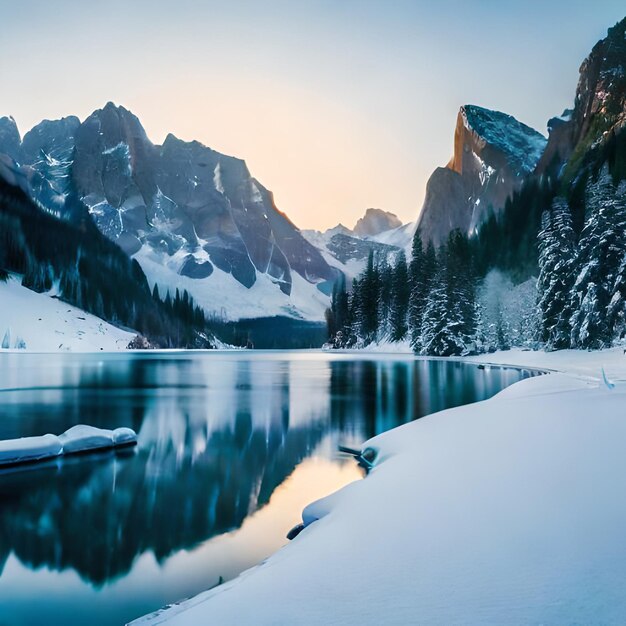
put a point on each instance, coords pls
(335, 105)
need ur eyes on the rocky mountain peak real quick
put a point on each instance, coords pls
(376, 221)
(493, 154)
(50, 138)
(599, 105)
(10, 141)
(478, 129)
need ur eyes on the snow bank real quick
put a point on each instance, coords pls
(508, 511)
(579, 363)
(378, 347)
(38, 322)
(124, 437)
(29, 449)
(80, 438)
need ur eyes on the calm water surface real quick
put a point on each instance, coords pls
(231, 447)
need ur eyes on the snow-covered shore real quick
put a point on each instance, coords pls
(41, 323)
(511, 511)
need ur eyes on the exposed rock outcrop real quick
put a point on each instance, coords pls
(599, 106)
(376, 221)
(493, 154)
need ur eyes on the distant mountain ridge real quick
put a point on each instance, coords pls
(379, 232)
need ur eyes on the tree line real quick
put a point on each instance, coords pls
(430, 301)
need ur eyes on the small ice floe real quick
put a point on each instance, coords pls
(78, 439)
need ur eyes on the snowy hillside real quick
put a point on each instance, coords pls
(39, 322)
(221, 295)
(401, 237)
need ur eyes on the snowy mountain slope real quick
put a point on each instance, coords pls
(40, 322)
(493, 154)
(87, 270)
(222, 296)
(400, 237)
(346, 252)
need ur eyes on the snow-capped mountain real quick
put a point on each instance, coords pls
(493, 154)
(348, 249)
(192, 217)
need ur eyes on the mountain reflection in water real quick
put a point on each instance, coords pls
(218, 434)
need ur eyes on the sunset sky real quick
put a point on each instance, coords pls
(336, 105)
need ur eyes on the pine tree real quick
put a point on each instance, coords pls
(434, 339)
(556, 242)
(502, 331)
(617, 305)
(600, 254)
(340, 305)
(401, 291)
(423, 271)
(385, 276)
(448, 324)
(368, 302)
(353, 321)
(416, 303)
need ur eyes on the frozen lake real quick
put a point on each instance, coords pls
(232, 446)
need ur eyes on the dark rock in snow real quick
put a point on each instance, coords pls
(195, 269)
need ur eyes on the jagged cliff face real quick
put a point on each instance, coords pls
(599, 107)
(493, 154)
(181, 208)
